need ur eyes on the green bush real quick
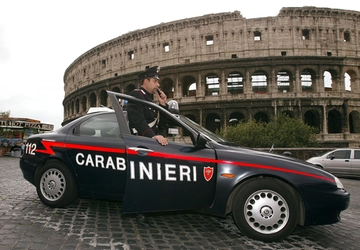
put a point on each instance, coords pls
(282, 131)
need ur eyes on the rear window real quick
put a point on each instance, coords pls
(101, 125)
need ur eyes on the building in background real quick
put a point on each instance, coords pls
(15, 131)
(223, 68)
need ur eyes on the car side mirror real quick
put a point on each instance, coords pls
(201, 141)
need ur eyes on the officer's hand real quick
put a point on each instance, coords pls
(162, 98)
(162, 140)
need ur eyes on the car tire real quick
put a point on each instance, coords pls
(265, 209)
(55, 185)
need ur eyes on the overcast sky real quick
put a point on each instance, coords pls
(39, 39)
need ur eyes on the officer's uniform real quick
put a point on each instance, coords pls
(143, 120)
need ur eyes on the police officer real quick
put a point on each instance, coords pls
(143, 120)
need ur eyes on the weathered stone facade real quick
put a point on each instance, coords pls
(224, 67)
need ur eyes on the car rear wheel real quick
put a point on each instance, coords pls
(55, 185)
(265, 209)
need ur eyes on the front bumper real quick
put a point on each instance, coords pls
(327, 207)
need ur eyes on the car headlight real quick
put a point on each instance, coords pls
(338, 183)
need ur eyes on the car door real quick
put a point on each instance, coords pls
(355, 163)
(97, 153)
(338, 162)
(178, 176)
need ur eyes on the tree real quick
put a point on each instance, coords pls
(282, 131)
(4, 116)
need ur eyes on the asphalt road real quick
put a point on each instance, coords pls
(25, 223)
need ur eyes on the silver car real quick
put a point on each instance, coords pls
(340, 162)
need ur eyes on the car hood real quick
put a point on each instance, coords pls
(265, 160)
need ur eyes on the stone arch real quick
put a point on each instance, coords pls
(330, 79)
(347, 81)
(235, 118)
(191, 117)
(77, 106)
(259, 81)
(283, 80)
(261, 117)
(115, 89)
(103, 98)
(68, 109)
(354, 122)
(188, 86)
(167, 85)
(84, 104)
(312, 118)
(351, 83)
(212, 84)
(235, 83)
(334, 121)
(212, 122)
(92, 99)
(72, 112)
(129, 88)
(307, 79)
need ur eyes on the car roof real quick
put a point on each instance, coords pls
(99, 109)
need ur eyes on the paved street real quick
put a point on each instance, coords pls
(25, 223)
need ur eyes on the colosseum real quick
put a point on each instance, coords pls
(223, 68)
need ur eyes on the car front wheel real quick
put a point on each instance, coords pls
(265, 209)
(55, 185)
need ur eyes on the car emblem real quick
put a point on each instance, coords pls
(208, 173)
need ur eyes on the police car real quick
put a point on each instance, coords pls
(96, 155)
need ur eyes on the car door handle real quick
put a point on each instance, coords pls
(346, 160)
(141, 151)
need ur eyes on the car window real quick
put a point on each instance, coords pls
(340, 154)
(176, 133)
(101, 125)
(167, 126)
(357, 154)
(172, 130)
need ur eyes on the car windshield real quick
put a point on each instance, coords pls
(207, 133)
(123, 100)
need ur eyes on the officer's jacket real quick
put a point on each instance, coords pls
(142, 117)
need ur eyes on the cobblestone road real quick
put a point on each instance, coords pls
(25, 223)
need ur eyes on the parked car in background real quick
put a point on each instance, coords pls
(344, 162)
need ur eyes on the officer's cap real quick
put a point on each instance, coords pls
(152, 72)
